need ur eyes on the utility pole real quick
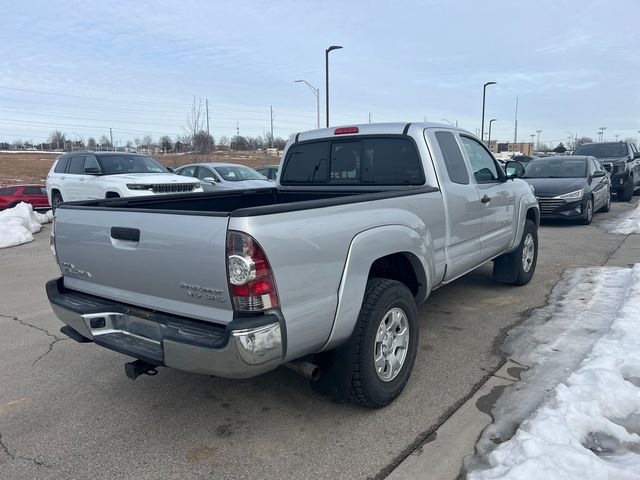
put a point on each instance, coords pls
(369, 117)
(271, 107)
(206, 102)
(533, 135)
(111, 136)
(515, 127)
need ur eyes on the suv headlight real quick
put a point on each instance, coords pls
(135, 186)
(577, 195)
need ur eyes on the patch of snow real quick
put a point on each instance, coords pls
(629, 223)
(575, 414)
(18, 224)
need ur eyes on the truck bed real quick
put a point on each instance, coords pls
(240, 203)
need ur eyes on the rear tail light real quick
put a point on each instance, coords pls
(251, 282)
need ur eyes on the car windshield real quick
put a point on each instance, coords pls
(119, 164)
(238, 173)
(556, 168)
(603, 150)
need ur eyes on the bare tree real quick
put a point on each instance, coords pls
(147, 141)
(165, 143)
(582, 141)
(195, 123)
(57, 139)
(104, 142)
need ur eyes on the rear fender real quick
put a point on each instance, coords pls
(366, 248)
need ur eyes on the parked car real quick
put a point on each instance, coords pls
(621, 160)
(569, 187)
(12, 195)
(524, 159)
(269, 171)
(224, 176)
(322, 273)
(100, 175)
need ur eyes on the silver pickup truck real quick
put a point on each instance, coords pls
(322, 273)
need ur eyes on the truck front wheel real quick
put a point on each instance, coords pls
(517, 267)
(375, 364)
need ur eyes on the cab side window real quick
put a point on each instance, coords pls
(453, 160)
(482, 163)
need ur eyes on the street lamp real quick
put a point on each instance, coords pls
(489, 138)
(601, 133)
(484, 93)
(326, 70)
(538, 144)
(316, 92)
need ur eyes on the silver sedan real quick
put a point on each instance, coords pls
(224, 176)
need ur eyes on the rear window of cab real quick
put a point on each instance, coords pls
(354, 161)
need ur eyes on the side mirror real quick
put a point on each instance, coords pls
(169, 169)
(92, 171)
(210, 180)
(636, 155)
(514, 169)
(599, 173)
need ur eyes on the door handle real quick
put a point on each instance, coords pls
(485, 199)
(122, 233)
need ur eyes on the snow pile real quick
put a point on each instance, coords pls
(583, 386)
(18, 224)
(630, 223)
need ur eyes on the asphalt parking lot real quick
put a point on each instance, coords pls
(68, 411)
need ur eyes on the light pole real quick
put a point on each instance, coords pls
(601, 133)
(484, 94)
(316, 92)
(489, 137)
(616, 137)
(538, 144)
(533, 135)
(81, 139)
(326, 70)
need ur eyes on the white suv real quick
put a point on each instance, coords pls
(95, 175)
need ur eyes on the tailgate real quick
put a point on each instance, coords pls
(166, 262)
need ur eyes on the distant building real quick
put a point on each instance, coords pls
(504, 149)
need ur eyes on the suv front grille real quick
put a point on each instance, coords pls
(173, 187)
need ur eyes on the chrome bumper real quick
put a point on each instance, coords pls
(169, 340)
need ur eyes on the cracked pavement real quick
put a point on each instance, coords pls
(68, 411)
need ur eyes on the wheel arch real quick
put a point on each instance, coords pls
(396, 252)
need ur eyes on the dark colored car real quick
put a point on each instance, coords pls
(12, 195)
(621, 160)
(524, 159)
(269, 171)
(569, 186)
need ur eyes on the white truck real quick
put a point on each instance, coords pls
(94, 175)
(322, 273)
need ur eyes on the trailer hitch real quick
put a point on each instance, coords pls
(139, 367)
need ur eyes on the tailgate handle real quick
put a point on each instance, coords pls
(123, 233)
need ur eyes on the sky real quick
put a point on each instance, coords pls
(84, 67)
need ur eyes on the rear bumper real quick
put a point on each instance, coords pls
(245, 348)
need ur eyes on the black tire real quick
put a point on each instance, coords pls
(607, 204)
(56, 199)
(509, 268)
(627, 194)
(587, 214)
(349, 372)
(112, 195)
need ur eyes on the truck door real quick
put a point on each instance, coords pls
(496, 196)
(462, 204)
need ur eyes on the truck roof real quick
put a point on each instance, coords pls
(393, 128)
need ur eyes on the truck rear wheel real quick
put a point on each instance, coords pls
(375, 364)
(517, 267)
